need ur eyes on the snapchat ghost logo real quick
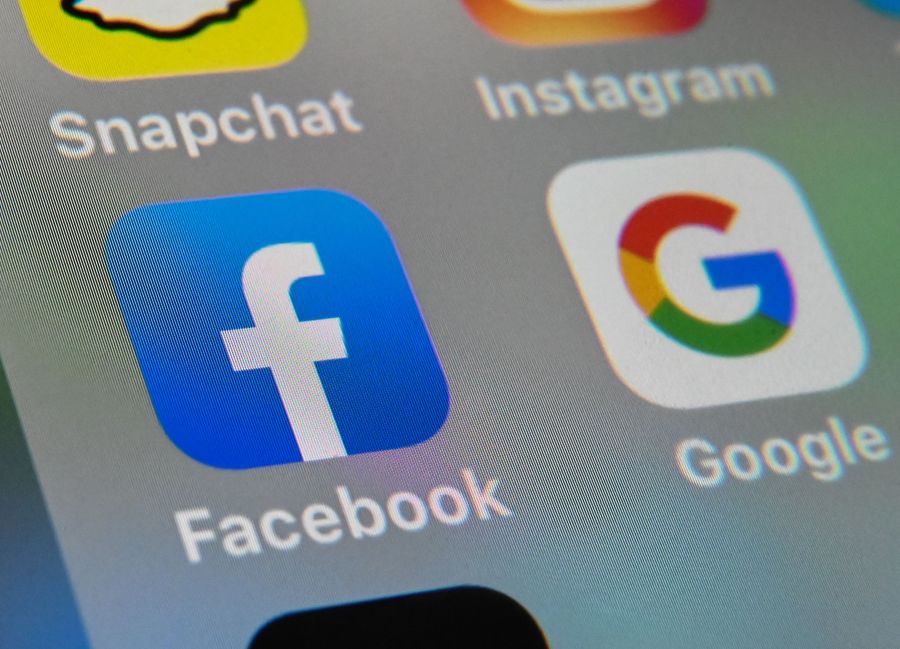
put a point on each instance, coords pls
(109, 40)
(162, 18)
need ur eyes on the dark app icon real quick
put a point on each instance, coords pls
(465, 617)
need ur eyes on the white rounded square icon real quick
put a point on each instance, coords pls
(706, 277)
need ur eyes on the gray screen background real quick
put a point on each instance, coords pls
(609, 547)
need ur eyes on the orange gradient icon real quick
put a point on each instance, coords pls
(571, 22)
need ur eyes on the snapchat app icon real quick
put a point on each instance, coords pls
(109, 40)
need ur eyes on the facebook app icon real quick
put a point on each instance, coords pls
(275, 328)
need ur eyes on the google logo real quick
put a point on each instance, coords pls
(639, 245)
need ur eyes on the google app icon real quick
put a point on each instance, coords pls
(639, 245)
(705, 277)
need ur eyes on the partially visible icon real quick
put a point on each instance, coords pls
(455, 618)
(571, 22)
(160, 19)
(705, 277)
(154, 38)
(276, 328)
(888, 6)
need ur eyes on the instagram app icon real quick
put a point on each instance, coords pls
(538, 23)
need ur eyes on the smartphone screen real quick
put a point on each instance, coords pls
(477, 323)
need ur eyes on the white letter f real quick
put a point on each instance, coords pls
(289, 347)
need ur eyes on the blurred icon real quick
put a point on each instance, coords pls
(572, 22)
(455, 618)
(276, 328)
(127, 39)
(161, 19)
(706, 278)
(888, 6)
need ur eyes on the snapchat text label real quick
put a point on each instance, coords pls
(192, 131)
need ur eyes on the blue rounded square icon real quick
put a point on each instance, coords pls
(888, 6)
(276, 328)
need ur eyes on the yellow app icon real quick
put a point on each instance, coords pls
(108, 40)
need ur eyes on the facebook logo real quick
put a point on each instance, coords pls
(275, 328)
